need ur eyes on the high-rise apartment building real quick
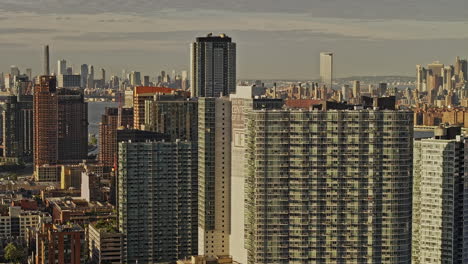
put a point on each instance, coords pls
(214, 175)
(213, 66)
(111, 120)
(45, 121)
(157, 200)
(243, 102)
(326, 69)
(329, 186)
(72, 126)
(17, 127)
(174, 115)
(438, 198)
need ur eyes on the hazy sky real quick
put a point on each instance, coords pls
(275, 38)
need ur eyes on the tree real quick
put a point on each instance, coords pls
(93, 140)
(13, 253)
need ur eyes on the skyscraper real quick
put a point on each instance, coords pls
(72, 126)
(449, 78)
(434, 77)
(45, 121)
(157, 200)
(214, 175)
(356, 90)
(46, 69)
(103, 75)
(326, 69)
(29, 73)
(146, 80)
(420, 78)
(61, 67)
(213, 66)
(382, 89)
(185, 82)
(14, 71)
(329, 186)
(461, 69)
(135, 78)
(84, 75)
(90, 80)
(438, 198)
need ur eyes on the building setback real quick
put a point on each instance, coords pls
(157, 200)
(329, 186)
(214, 175)
(438, 198)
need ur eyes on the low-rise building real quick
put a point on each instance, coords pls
(105, 243)
(60, 244)
(77, 210)
(16, 223)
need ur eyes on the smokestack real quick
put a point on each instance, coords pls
(46, 60)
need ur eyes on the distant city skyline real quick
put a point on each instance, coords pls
(286, 39)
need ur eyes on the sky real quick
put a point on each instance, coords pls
(276, 39)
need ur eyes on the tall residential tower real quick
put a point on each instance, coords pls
(438, 198)
(214, 175)
(329, 186)
(213, 66)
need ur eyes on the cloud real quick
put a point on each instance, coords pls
(25, 30)
(362, 9)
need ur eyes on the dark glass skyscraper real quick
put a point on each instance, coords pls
(213, 62)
